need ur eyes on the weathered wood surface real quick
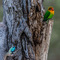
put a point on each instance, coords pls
(2, 37)
(25, 29)
(43, 47)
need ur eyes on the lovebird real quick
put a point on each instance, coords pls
(11, 50)
(49, 14)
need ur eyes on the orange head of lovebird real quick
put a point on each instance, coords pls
(51, 10)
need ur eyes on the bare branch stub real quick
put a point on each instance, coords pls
(39, 31)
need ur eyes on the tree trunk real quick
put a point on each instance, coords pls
(25, 29)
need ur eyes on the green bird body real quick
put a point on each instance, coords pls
(49, 14)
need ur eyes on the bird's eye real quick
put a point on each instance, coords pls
(49, 8)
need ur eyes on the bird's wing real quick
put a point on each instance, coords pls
(46, 15)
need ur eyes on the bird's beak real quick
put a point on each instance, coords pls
(52, 9)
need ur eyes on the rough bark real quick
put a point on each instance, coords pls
(25, 29)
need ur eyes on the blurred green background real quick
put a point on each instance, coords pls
(1, 11)
(54, 50)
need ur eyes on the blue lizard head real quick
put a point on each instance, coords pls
(12, 49)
